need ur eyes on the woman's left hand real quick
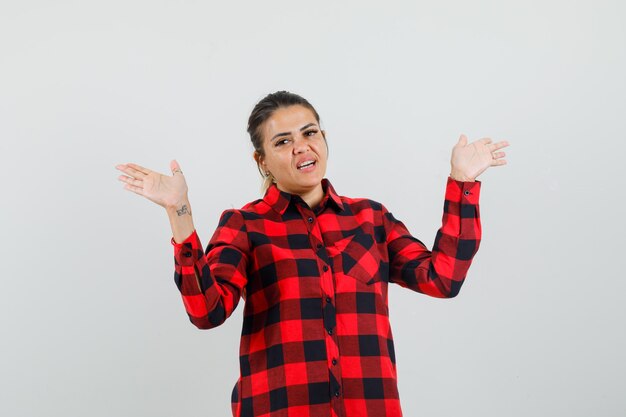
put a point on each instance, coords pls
(469, 160)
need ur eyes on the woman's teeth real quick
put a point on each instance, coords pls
(306, 164)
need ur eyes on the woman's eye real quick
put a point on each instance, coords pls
(281, 142)
(310, 132)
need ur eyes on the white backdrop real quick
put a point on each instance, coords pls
(91, 320)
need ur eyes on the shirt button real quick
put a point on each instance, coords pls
(187, 254)
(325, 267)
(319, 246)
(328, 299)
(466, 192)
(310, 219)
(334, 361)
(336, 393)
(330, 331)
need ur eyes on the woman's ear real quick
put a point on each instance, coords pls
(260, 162)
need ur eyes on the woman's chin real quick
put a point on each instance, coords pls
(310, 182)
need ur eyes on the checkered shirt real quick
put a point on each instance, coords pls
(316, 339)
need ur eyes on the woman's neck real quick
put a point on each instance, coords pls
(311, 197)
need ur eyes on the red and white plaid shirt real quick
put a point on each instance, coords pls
(316, 339)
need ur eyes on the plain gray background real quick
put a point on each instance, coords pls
(91, 320)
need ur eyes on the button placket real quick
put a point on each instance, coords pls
(328, 293)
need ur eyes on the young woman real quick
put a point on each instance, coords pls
(313, 268)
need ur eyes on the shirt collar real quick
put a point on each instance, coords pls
(279, 200)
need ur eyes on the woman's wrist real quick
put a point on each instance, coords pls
(181, 208)
(181, 220)
(460, 177)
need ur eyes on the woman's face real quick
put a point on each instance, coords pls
(295, 149)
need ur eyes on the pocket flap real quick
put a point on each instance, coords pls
(359, 257)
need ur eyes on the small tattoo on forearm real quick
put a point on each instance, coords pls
(183, 210)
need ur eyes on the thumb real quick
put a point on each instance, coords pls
(174, 165)
(462, 140)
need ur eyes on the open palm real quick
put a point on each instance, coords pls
(469, 160)
(164, 190)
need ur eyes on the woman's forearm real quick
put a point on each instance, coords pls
(180, 220)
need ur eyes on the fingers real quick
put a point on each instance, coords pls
(136, 190)
(499, 145)
(497, 158)
(131, 181)
(484, 141)
(131, 170)
(139, 168)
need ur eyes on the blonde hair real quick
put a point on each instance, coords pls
(268, 180)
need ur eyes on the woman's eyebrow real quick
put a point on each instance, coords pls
(288, 133)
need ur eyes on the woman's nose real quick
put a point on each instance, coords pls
(300, 145)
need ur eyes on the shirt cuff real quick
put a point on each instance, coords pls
(464, 192)
(188, 251)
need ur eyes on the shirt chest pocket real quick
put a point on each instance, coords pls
(357, 256)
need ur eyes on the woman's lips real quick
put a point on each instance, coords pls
(307, 166)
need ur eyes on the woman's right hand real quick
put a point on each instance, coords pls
(166, 191)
